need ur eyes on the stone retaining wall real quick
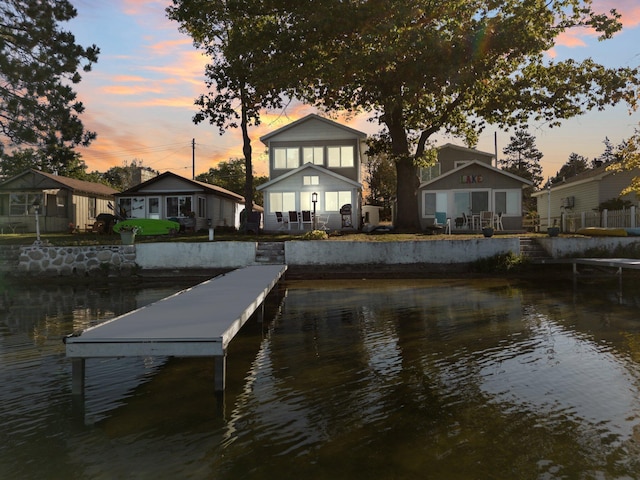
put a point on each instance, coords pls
(99, 260)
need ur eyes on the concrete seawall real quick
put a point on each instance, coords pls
(147, 258)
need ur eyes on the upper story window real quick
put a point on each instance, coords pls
(311, 180)
(286, 158)
(313, 155)
(340, 156)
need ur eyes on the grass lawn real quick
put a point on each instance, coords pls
(77, 239)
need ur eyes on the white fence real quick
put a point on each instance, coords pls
(626, 218)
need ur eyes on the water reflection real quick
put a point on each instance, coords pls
(397, 379)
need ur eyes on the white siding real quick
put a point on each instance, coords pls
(313, 130)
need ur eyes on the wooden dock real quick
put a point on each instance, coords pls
(618, 263)
(196, 322)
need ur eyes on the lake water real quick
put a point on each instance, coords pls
(415, 379)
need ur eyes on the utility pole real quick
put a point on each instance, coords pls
(193, 159)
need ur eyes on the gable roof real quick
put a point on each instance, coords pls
(465, 149)
(594, 174)
(265, 138)
(73, 184)
(309, 166)
(479, 164)
(194, 184)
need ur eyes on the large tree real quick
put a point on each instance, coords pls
(629, 160)
(522, 158)
(421, 66)
(574, 165)
(39, 64)
(240, 80)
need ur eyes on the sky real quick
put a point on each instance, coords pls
(139, 96)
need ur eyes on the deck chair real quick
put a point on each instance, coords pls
(465, 220)
(486, 219)
(294, 219)
(498, 221)
(442, 220)
(280, 220)
(306, 219)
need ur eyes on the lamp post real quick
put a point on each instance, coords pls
(548, 203)
(36, 207)
(314, 200)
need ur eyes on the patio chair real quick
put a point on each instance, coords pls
(442, 220)
(465, 221)
(322, 221)
(498, 221)
(306, 219)
(486, 219)
(280, 220)
(294, 219)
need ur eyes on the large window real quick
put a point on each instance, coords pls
(179, 206)
(313, 155)
(22, 203)
(434, 202)
(282, 202)
(340, 156)
(507, 202)
(286, 158)
(333, 201)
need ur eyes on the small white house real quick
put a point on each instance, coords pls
(193, 204)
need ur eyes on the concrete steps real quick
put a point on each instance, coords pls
(532, 250)
(270, 253)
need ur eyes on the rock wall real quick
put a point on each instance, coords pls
(98, 260)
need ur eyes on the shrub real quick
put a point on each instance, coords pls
(315, 235)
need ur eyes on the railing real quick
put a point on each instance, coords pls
(626, 218)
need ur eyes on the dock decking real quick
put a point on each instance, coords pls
(197, 322)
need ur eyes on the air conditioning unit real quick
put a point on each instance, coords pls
(568, 202)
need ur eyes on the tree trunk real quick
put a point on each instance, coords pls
(407, 213)
(248, 164)
(407, 216)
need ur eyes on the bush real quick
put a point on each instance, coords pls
(315, 235)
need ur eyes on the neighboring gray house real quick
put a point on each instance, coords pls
(313, 155)
(194, 204)
(62, 202)
(463, 183)
(583, 193)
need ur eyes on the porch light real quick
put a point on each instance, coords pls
(314, 200)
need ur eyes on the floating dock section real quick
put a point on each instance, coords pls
(197, 322)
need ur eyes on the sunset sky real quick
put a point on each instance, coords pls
(139, 96)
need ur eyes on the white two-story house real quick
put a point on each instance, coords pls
(314, 166)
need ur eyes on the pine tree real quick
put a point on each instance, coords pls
(39, 64)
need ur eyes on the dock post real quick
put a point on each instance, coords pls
(77, 376)
(220, 372)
